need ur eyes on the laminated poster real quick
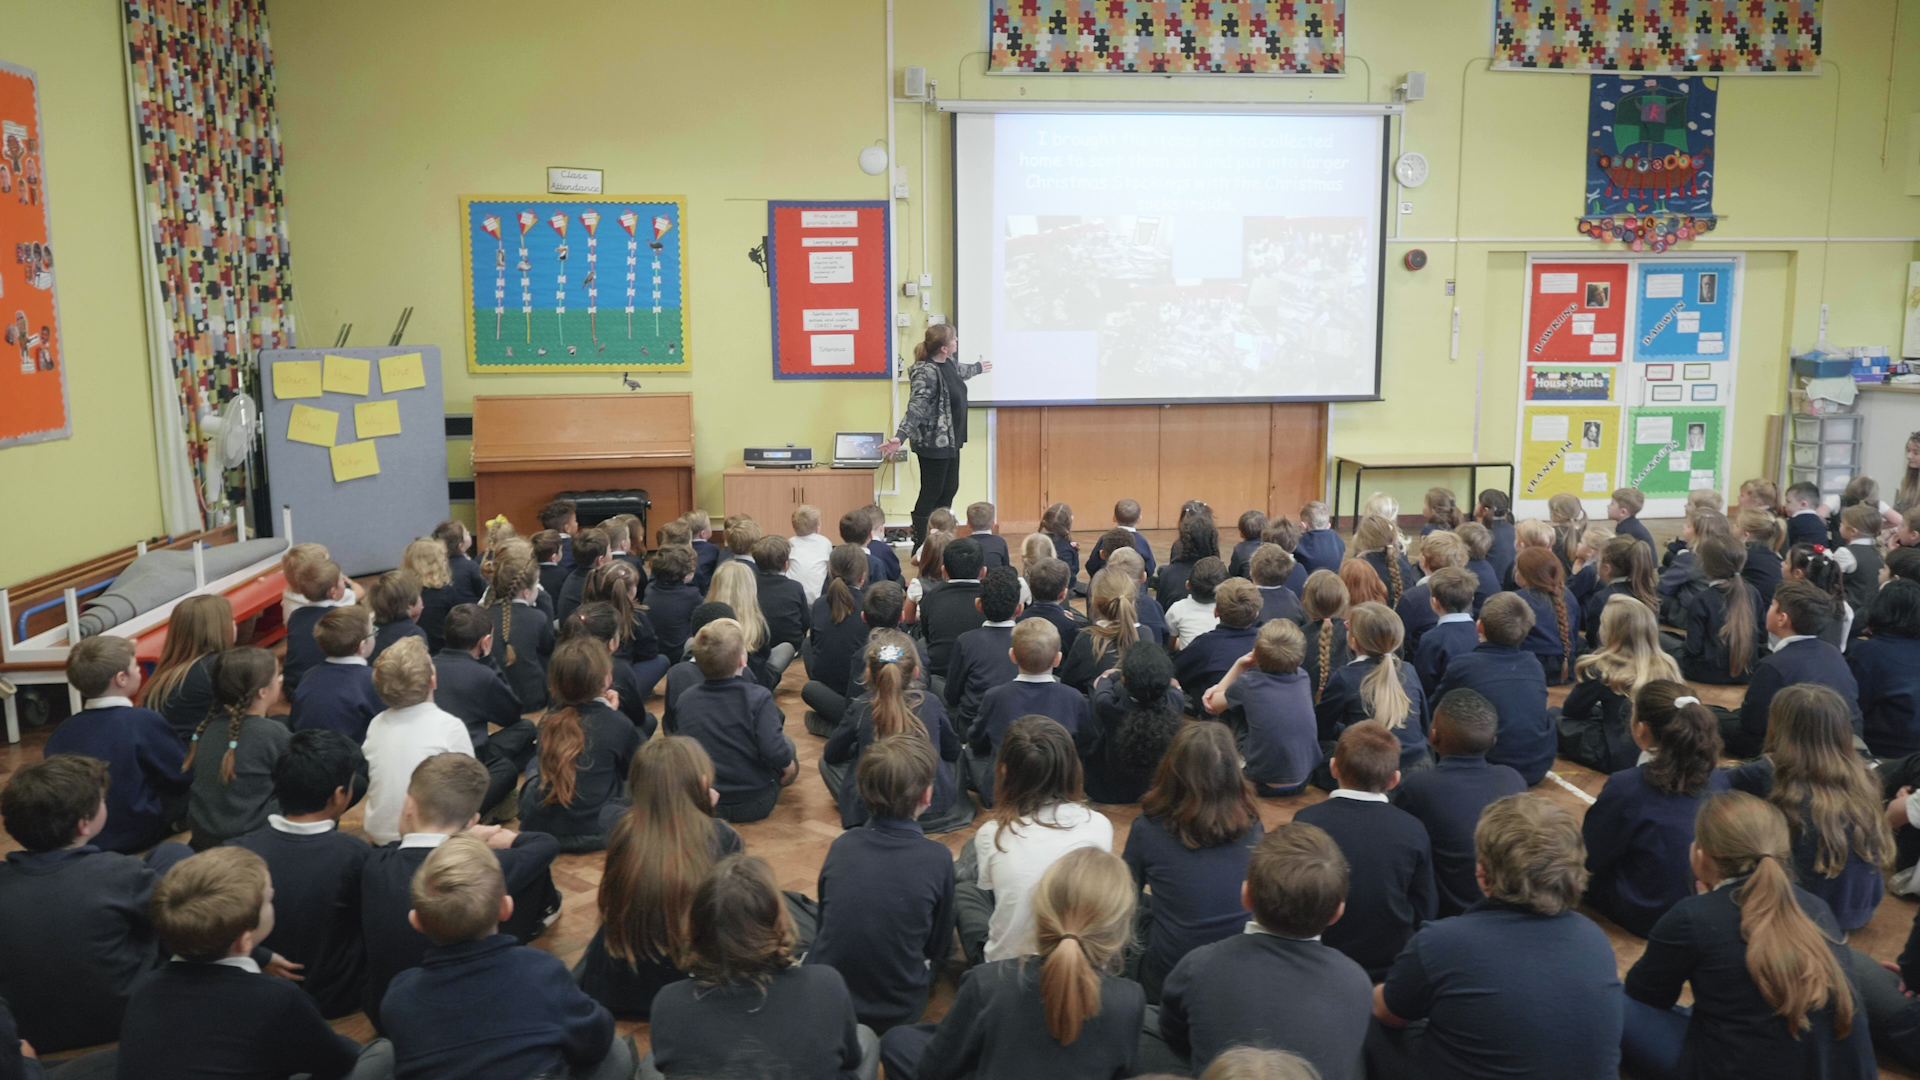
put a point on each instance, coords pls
(1570, 449)
(1671, 452)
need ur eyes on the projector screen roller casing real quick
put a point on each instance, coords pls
(1128, 258)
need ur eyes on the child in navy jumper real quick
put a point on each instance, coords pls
(1539, 579)
(1252, 523)
(1377, 541)
(479, 1005)
(1279, 579)
(472, 689)
(1189, 848)
(586, 747)
(671, 597)
(1319, 548)
(706, 554)
(1152, 617)
(78, 936)
(1886, 665)
(1439, 550)
(878, 547)
(143, 755)
(1376, 685)
(1390, 858)
(736, 721)
(1266, 700)
(981, 658)
(1050, 580)
(1723, 619)
(1639, 830)
(838, 632)
(337, 694)
(1625, 568)
(982, 520)
(1033, 691)
(1285, 535)
(886, 891)
(522, 634)
(783, 601)
(895, 703)
(1126, 518)
(1136, 711)
(562, 516)
(546, 552)
(1448, 798)
(1623, 509)
(316, 867)
(1219, 996)
(590, 553)
(1762, 531)
(468, 582)
(443, 801)
(210, 1012)
(396, 609)
(1486, 580)
(1510, 677)
(1596, 722)
(1799, 612)
(1494, 511)
(1204, 661)
(1453, 633)
(879, 610)
(1806, 515)
(856, 529)
(325, 588)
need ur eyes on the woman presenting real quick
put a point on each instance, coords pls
(936, 420)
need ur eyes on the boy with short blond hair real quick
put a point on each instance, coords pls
(736, 720)
(1497, 669)
(411, 730)
(1206, 659)
(143, 754)
(480, 1005)
(1267, 701)
(982, 520)
(338, 694)
(1034, 648)
(1320, 548)
(208, 1012)
(808, 552)
(1451, 631)
(1273, 571)
(878, 547)
(325, 587)
(1623, 509)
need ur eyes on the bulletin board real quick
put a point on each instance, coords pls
(575, 282)
(357, 446)
(33, 375)
(1627, 379)
(830, 277)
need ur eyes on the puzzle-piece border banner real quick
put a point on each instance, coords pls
(1158, 37)
(1658, 37)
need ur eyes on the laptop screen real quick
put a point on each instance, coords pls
(857, 445)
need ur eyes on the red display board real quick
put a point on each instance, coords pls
(1576, 312)
(830, 278)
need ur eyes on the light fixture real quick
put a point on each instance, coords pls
(873, 160)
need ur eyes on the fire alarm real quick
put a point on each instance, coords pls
(1416, 259)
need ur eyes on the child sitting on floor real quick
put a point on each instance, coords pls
(586, 747)
(337, 694)
(143, 755)
(895, 705)
(1033, 692)
(1192, 615)
(233, 754)
(736, 721)
(1377, 685)
(411, 730)
(396, 609)
(1448, 798)
(1596, 723)
(1266, 700)
(1511, 678)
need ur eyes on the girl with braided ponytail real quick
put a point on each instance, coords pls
(1324, 599)
(522, 635)
(618, 585)
(1377, 685)
(232, 753)
(893, 705)
(586, 747)
(1059, 1011)
(1555, 637)
(1638, 830)
(1377, 540)
(1771, 992)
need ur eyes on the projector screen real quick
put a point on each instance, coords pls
(1105, 258)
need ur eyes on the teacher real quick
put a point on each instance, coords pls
(936, 420)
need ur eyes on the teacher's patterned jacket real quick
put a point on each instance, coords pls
(928, 422)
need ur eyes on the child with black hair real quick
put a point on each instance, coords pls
(1192, 615)
(886, 891)
(737, 722)
(1886, 665)
(952, 609)
(143, 755)
(1050, 580)
(1725, 622)
(1814, 564)
(316, 867)
(894, 703)
(1266, 700)
(468, 686)
(1189, 848)
(1640, 827)
(209, 1012)
(78, 937)
(337, 693)
(1798, 613)
(1252, 523)
(1198, 539)
(1206, 659)
(1033, 691)
(1136, 710)
(982, 657)
(1512, 679)
(1448, 798)
(586, 746)
(1453, 632)
(1279, 578)
(233, 753)
(671, 597)
(1387, 850)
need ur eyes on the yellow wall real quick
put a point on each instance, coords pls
(95, 491)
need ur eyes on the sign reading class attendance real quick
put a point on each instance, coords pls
(829, 276)
(1578, 312)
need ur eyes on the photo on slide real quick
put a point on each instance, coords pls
(1068, 272)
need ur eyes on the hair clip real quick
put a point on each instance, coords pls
(1683, 702)
(498, 519)
(890, 654)
(1819, 549)
(233, 744)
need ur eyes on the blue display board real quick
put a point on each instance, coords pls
(1684, 311)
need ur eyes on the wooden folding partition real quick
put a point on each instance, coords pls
(1270, 457)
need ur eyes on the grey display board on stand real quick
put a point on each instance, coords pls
(366, 522)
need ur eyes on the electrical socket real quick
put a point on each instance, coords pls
(926, 281)
(899, 191)
(1406, 208)
(1449, 286)
(902, 320)
(926, 301)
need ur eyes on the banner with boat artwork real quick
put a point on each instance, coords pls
(1650, 168)
(575, 283)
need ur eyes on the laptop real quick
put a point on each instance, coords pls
(857, 449)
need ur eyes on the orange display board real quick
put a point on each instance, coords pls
(33, 378)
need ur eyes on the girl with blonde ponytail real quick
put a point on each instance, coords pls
(1114, 603)
(1324, 599)
(892, 705)
(1771, 993)
(522, 635)
(1377, 685)
(232, 752)
(586, 747)
(1377, 540)
(1638, 830)
(1083, 916)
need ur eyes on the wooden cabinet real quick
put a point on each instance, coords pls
(769, 496)
(527, 449)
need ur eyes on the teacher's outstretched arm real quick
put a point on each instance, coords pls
(935, 420)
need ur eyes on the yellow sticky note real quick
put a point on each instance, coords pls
(345, 375)
(296, 378)
(311, 425)
(401, 373)
(372, 419)
(353, 460)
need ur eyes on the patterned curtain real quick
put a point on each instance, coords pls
(208, 144)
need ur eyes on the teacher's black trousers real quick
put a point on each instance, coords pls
(939, 482)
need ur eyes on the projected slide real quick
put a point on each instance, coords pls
(1127, 257)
